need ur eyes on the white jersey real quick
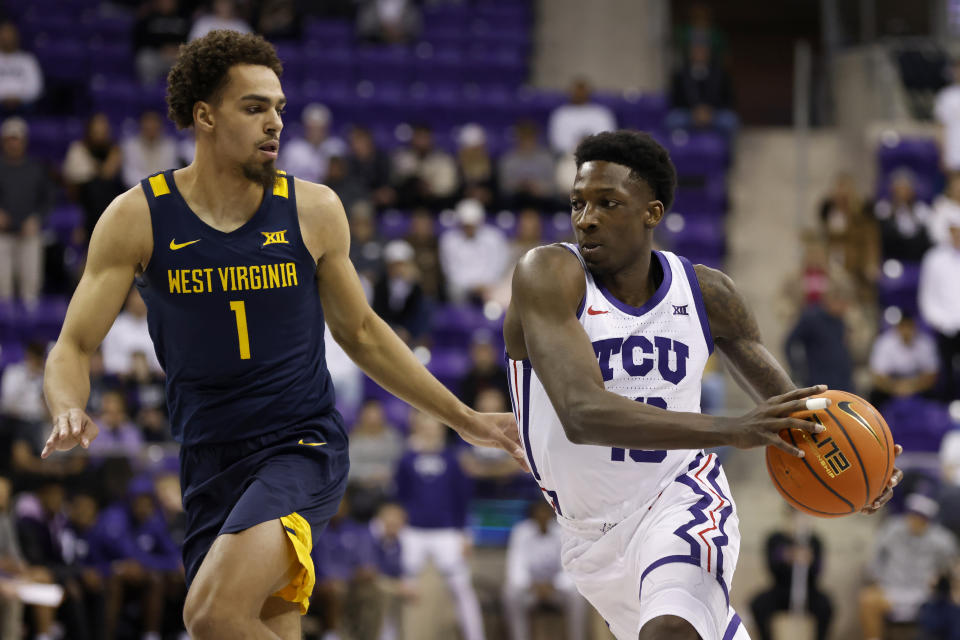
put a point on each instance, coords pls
(653, 354)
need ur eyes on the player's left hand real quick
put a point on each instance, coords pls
(497, 430)
(886, 495)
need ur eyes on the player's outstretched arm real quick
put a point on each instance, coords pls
(121, 243)
(370, 342)
(548, 286)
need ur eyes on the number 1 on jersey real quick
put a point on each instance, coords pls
(240, 310)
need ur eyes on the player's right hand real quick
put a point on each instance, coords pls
(762, 426)
(70, 428)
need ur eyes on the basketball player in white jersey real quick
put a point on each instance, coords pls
(606, 341)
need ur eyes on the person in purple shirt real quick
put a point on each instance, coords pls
(119, 437)
(386, 527)
(136, 554)
(345, 558)
(81, 556)
(433, 488)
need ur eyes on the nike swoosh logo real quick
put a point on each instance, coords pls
(174, 246)
(850, 411)
(311, 444)
(595, 312)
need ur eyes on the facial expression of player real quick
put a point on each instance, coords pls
(248, 121)
(613, 215)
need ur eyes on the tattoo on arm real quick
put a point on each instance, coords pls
(737, 337)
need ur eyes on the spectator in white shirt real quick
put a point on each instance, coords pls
(946, 110)
(223, 15)
(149, 151)
(535, 576)
(903, 362)
(940, 303)
(945, 207)
(127, 336)
(309, 156)
(21, 79)
(423, 175)
(571, 123)
(525, 172)
(21, 389)
(473, 256)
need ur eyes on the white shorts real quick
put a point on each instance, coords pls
(442, 546)
(674, 556)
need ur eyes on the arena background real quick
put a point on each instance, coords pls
(799, 94)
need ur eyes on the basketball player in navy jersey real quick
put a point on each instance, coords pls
(239, 266)
(606, 341)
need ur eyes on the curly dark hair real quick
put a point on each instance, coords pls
(646, 158)
(200, 72)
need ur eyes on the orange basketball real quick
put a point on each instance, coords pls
(844, 468)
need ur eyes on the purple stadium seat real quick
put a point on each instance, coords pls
(397, 412)
(919, 154)
(449, 365)
(111, 58)
(900, 291)
(917, 424)
(454, 324)
(329, 33)
(42, 322)
(63, 60)
(384, 64)
(116, 96)
(394, 224)
(699, 153)
(8, 322)
(925, 185)
(10, 353)
(63, 220)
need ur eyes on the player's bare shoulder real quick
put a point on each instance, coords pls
(551, 269)
(726, 307)
(323, 222)
(124, 232)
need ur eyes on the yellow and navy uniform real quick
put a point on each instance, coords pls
(237, 324)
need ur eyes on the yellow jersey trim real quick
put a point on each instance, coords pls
(301, 537)
(280, 187)
(159, 185)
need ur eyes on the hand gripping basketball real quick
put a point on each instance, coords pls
(762, 426)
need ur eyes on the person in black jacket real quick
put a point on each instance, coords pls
(700, 94)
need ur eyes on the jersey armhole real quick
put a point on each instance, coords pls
(698, 302)
(151, 190)
(586, 282)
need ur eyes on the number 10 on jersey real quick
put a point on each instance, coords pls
(240, 311)
(642, 455)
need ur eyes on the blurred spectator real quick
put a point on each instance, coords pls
(346, 377)
(78, 553)
(473, 255)
(119, 436)
(946, 110)
(817, 347)
(129, 335)
(375, 448)
(435, 492)
(307, 157)
(137, 556)
(939, 617)
(940, 304)
(397, 295)
(946, 207)
(386, 528)
(371, 165)
(535, 578)
(21, 78)
(528, 235)
(222, 15)
(909, 552)
(366, 246)
(700, 29)
(477, 171)
(346, 566)
(486, 370)
(789, 552)
(903, 362)
(149, 151)
(525, 171)
(349, 188)
(388, 21)
(26, 196)
(700, 94)
(572, 122)
(278, 20)
(422, 236)
(423, 175)
(492, 469)
(145, 390)
(92, 167)
(903, 219)
(851, 233)
(157, 35)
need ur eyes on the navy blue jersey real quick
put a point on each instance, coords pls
(235, 318)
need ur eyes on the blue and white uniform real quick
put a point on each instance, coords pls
(646, 533)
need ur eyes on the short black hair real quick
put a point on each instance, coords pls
(645, 157)
(200, 72)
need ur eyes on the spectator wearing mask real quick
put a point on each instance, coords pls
(940, 304)
(474, 255)
(817, 346)
(375, 448)
(572, 122)
(535, 577)
(92, 169)
(129, 335)
(525, 172)
(903, 362)
(26, 196)
(946, 111)
(222, 15)
(149, 151)
(909, 552)
(423, 175)
(700, 94)
(156, 37)
(903, 220)
(21, 78)
(398, 297)
(307, 156)
(477, 171)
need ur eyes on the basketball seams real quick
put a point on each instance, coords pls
(888, 446)
(788, 496)
(810, 468)
(863, 470)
